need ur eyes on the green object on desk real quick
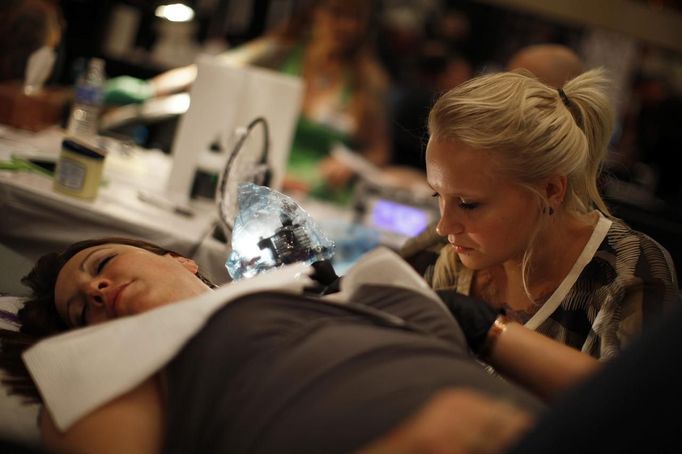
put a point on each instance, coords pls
(21, 165)
(127, 90)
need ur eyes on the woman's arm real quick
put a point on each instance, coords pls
(131, 424)
(125, 89)
(181, 78)
(540, 364)
(456, 421)
(173, 80)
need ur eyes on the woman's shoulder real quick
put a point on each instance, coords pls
(631, 266)
(637, 250)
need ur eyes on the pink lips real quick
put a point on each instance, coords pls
(462, 249)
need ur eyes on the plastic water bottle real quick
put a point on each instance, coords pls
(88, 96)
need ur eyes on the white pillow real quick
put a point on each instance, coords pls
(18, 420)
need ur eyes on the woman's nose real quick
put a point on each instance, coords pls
(96, 291)
(448, 225)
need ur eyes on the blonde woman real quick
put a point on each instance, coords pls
(515, 165)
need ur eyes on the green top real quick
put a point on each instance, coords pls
(313, 140)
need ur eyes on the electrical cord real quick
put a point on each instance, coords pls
(263, 178)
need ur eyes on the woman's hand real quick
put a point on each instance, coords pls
(335, 173)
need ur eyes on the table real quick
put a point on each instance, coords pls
(35, 220)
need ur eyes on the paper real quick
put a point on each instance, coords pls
(38, 69)
(225, 98)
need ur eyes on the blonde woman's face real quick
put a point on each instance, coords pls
(487, 218)
(115, 280)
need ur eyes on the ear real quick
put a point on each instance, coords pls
(189, 264)
(555, 190)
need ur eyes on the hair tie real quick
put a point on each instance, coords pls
(572, 108)
(563, 97)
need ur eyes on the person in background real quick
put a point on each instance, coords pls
(514, 163)
(553, 64)
(26, 26)
(328, 43)
(651, 134)
(437, 69)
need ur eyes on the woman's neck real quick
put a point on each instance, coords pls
(558, 246)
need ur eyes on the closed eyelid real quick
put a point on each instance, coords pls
(87, 259)
(102, 262)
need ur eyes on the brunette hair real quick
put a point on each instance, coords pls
(39, 318)
(25, 26)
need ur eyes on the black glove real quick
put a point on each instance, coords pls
(326, 279)
(475, 317)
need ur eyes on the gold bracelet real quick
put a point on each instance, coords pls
(497, 328)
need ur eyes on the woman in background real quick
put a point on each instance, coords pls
(26, 26)
(328, 43)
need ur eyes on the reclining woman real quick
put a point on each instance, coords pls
(274, 372)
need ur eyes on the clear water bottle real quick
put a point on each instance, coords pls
(88, 96)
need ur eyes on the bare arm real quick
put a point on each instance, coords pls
(173, 80)
(179, 79)
(131, 423)
(459, 421)
(540, 364)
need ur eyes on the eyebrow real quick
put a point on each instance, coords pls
(82, 266)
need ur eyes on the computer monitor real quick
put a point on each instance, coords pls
(223, 98)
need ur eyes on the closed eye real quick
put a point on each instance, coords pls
(468, 205)
(103, 263)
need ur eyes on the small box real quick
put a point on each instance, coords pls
(35, 112)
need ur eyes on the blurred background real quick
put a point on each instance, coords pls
(426, 46)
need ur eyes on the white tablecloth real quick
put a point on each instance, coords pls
(35, 220)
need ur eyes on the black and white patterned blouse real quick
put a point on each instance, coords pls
(620, 281)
